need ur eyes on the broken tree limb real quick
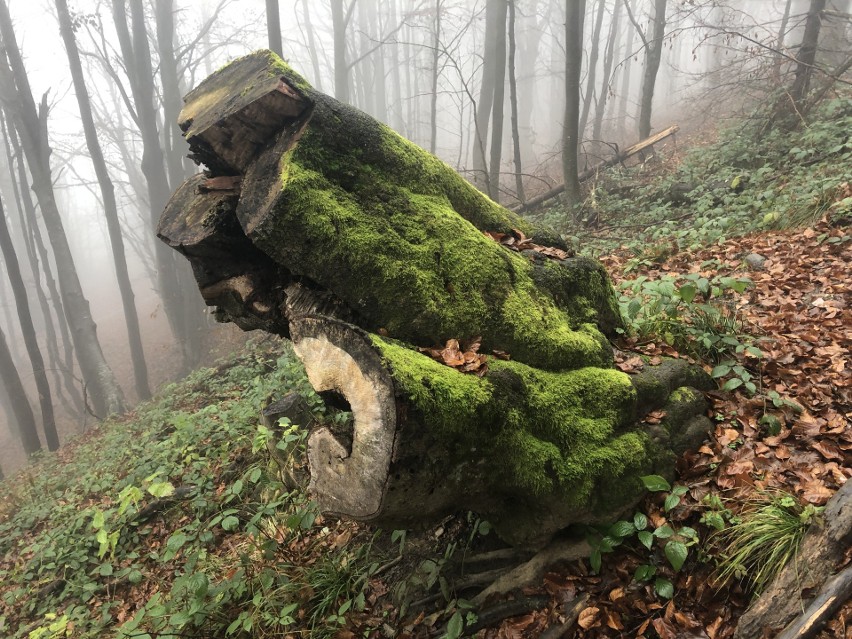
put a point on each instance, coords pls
(366, 250)
(822, 550)
(618, 158)
(831, 597)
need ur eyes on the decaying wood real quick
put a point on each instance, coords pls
(618, 158)
(831, 597)
(572, 613)
(366, 250)
(821, 552)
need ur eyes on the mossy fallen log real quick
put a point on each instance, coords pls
(364, 249)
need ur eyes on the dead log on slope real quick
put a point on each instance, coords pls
(618, 158)
(364, 249)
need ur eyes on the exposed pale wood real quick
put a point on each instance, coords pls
(822, 550)
(833, 595)
(537, 201)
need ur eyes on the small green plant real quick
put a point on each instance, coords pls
(675, 542)
(761, 540)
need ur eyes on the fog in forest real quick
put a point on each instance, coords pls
(482, 84)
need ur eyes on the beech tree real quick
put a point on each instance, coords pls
(30, 122)
(20, 406)
(575, 14)
(131, 318)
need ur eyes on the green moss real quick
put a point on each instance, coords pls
(543, 432)
(396, 233)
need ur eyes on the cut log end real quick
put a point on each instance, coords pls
(340, 358)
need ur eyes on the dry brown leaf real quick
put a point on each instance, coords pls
(589, 617)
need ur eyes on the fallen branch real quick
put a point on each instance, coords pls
(588, 173)
(181, 492)
(505, 609)
(572, 614)
(833, 595)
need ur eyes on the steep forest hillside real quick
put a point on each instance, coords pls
(188, 516)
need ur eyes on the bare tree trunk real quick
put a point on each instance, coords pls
(131, 317)
(575, 13)
(433, 97)
(600, 108)
(379, 88)
(273, 28)
(779, 45)
(625, 79)
(592, 68)
(807, 54)
(486, 99)
(499, 36)
(311, 43)
(341, 67)
(16, 93)
(396, 120)
(513, 100)
(653, 56)
(21, 408)
(28, 333)
(136, 53)
(28, 214)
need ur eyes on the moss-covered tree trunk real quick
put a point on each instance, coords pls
(316, 222)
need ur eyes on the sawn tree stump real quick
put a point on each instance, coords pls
(318, 223)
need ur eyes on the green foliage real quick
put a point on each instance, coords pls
(175, 501)
(697, 316)
(674, 542)
(761, 540)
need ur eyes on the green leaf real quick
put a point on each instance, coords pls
(230, 523)
(456, 625)
(664, 588)
(733, 383)
(688, 533)
(655, 483)
(161, 489)
(676, 553)
(664, 532)
(134, 577)
(714, 520)
(687, 292)
(98, 520)
(176, 541)
(646, 538)
(640, 521)
(720, 371)
(105, 569)
(595, 561)
(671, 501)
(644, 572)
(621, 529)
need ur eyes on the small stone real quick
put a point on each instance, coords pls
(755, 261)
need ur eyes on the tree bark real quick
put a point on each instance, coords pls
(806, 57)
(366, 250)
(495, 160)
(45, 398)
(653, 57)
(312, 45)
(17, 96)
(433, 97)
(273, 28)
(575, 14)
(481, 174)
(21, 409)
(125, 288)
(625, 78)
(606, 80)
(341, 66)
(592, 68)
(513, 102)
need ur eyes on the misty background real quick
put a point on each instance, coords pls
(480, 83)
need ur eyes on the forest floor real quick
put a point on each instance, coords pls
(172, 521)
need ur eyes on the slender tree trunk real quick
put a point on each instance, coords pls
(21, 408)
(379, 82)
(341, 67)
(486, 98)
(16, 92)
(433, 97)
(312, 45)
(807, 54)
(575, 13)
(653, 56)
(779, 44)
(131, 317)
(499, 99)
(396, 80)
(592, 68)
(28, 333)
(600, 108)
(625, 81)
(136, 53)
(513, 100)
(30, 222)
(273, 27)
